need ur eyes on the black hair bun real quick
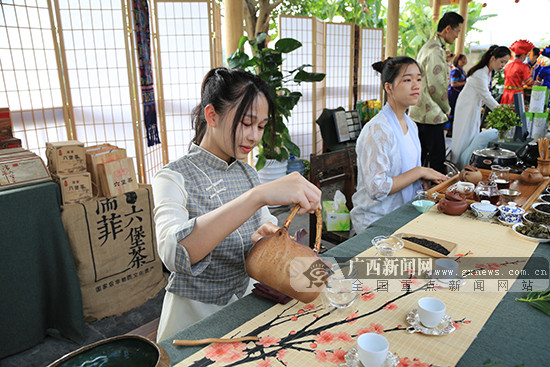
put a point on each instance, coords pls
(379, 65)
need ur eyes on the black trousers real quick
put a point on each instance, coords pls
(432, 141)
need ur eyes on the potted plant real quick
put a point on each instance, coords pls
(266, 62)
(502, 118)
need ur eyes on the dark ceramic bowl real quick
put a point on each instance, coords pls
(120, 351)
(545, 198)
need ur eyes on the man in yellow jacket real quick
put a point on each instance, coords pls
(430, 113)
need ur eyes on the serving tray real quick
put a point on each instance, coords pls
(450, 246)
(529, 193)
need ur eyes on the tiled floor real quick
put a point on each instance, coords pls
(141, 317)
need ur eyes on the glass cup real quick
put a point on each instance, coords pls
(387, 245)
(341, 288)
(501, 176)
(340, 291)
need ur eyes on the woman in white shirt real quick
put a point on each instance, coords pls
(388, 148)
(467, 120)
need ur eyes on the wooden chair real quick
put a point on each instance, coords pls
(338, 170)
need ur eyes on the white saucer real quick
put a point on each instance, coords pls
(445, 327)
(446, 284)
(352, 359)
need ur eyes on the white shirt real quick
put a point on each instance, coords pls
(378, 161)
(467, 119)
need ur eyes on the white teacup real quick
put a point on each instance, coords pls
(445, 270)
(373, 349)
(463, 187)
(430, 311)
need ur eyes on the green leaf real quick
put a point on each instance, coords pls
(242, 41)
(304, 76)
(238, 60)
(261, 38)
(543, 306)
(286, 45)
(260, 163)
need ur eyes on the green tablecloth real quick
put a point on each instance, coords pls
(515, 333)
(38, 280)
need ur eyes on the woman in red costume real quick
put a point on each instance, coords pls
(516, 73)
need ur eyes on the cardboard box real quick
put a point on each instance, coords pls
(117, 177)
(97, 156)
(20, 169)
(9, 143)
(75, 188)
(336, 220)
(6, 126)
(66, 157)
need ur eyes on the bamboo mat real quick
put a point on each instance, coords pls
(315, 334)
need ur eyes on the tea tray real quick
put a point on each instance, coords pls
(529, 193)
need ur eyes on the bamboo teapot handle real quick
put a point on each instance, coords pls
(319, 226)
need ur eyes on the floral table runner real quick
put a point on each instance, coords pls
(299, 334)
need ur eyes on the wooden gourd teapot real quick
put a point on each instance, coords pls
(287, 266)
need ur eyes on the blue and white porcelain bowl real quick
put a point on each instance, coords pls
(511, 213)
(484, 210)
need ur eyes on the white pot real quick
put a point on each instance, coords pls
(272, 170)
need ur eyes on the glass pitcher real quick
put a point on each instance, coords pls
(487, 190)
(501, 176)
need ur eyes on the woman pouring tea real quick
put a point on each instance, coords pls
(209, 205)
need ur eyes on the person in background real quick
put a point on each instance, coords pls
(517, 73)
(456, 83)
(209, 206)
(542, 74)
(467, 121)
(388, 149)
(431, 110)
(531, 61)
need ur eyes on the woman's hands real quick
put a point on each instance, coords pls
(429, 174)
(291, 189)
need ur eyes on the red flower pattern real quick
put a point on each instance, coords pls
(390, 306)
(367, 289)
(352, 316)
(281, 354)
(406, 362)
(268, 341)
(225, 352)
(337, 356)
(320, 355)
(373, 328)
(309, 306)
(345, 337)
(324, 337)
(367, 297)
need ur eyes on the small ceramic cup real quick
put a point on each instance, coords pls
(430, 311)
(484, 210)
(372, 349)
(511, 213)
(445, 270)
